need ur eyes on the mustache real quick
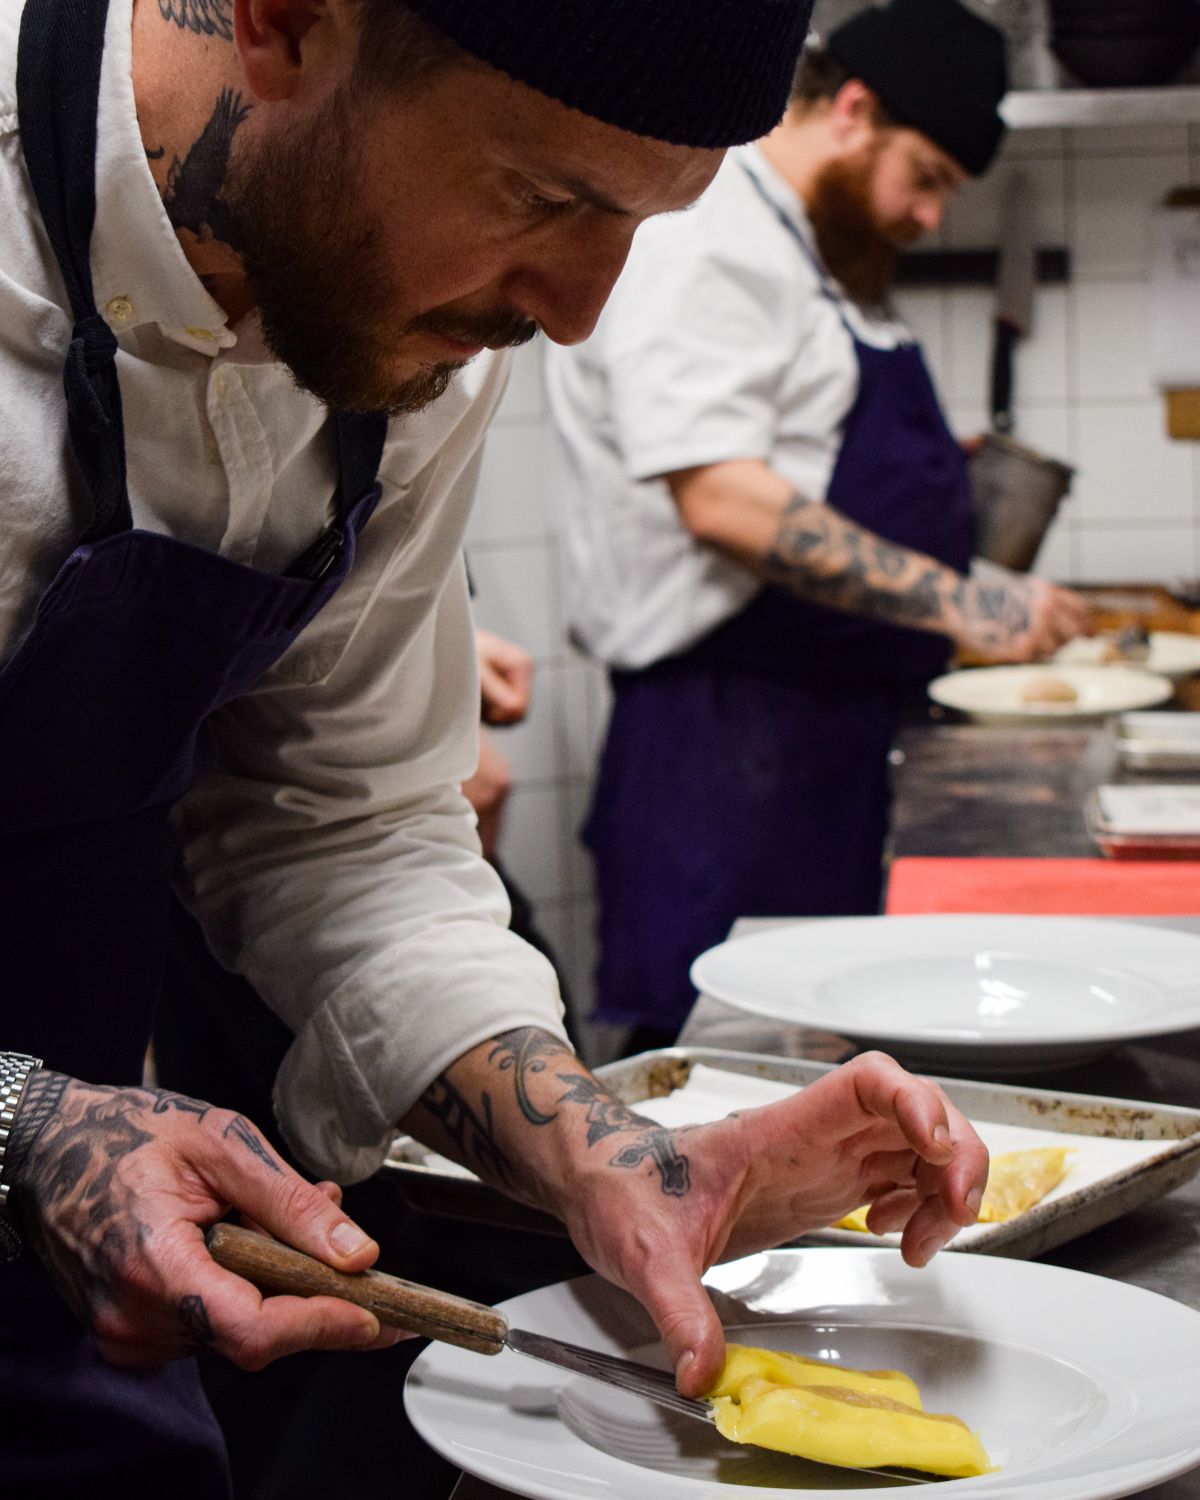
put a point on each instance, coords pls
(503, 329)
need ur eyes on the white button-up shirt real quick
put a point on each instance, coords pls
(329, 854)
(718, 343)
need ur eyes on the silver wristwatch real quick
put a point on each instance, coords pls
(15, 1068)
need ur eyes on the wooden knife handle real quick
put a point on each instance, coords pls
(278, 1269)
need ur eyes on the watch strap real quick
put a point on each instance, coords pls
(15, 1068)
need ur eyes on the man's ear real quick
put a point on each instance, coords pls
(854, 114)
(284, 44)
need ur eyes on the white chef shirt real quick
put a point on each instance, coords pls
(329, 855)
(717, 344)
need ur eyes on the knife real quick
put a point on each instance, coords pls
(1015, 276)
(277, 1269)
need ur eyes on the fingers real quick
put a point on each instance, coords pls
(505, 678)
(243, 1170)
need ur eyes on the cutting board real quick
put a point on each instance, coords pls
(1061, 887)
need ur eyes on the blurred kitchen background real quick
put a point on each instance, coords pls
(1099, 162)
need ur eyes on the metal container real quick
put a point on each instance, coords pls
(1015, 494)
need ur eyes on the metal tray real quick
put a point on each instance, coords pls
(1166, 743)
(652, 1075)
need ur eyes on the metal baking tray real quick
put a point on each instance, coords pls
(652, 1075)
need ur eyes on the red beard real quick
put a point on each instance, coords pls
(858, 250)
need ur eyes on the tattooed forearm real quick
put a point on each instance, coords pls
(473, 1135)
(997, 611)
(524, 1051)
(241, 1130)
(192, 196)
(205, 17)
(827, 559)
(194, 1316)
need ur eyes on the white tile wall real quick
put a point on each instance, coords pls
(1084, 394)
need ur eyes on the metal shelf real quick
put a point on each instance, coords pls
(1034, 109)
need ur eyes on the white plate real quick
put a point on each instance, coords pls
(1081, 1388)
(1002, 993)
(1174, 653)
(992, 695)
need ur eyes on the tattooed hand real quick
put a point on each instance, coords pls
(652, 1208)
(113, 1188)
(1013, 617)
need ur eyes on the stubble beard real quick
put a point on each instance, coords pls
(326, 292)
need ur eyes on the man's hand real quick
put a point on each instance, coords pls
(113, 1188)
(1013, 617)
(505, 679)
(652, 1209)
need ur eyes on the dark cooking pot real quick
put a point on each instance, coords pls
(1015, 494)
(1124, 43)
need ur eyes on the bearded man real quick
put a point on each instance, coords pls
(769, 523)
(248, 247)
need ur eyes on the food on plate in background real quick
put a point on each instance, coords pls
(834, 1415)
(1048, 690)
(1017, 1180)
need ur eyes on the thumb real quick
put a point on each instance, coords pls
(687, 1323)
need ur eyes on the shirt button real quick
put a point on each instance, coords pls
(119, 309)
(206, 335)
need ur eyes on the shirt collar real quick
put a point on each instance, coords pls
(781, 193)
(139, 270)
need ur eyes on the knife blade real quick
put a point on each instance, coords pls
(1016, 274)
(279, 1270)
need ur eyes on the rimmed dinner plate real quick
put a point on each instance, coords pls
(993, 695)
(1081, 1388)
(993, 993)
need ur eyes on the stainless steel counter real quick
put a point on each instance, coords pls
(1157, 1247)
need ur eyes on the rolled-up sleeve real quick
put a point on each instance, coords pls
(332, 859)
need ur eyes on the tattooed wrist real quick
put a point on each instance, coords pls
(548, 1087)
(994, 613)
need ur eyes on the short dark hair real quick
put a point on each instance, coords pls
(397, 49)
(820, 76)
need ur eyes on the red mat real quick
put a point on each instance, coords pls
(1149, 888)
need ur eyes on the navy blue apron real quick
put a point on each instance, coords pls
(103, 703)
(748, 775)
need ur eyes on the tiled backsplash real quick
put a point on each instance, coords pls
(1083, 393)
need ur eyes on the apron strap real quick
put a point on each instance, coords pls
(360, 438)
(58, 90)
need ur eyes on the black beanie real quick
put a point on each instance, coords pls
(937, 67)
(690, 72)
